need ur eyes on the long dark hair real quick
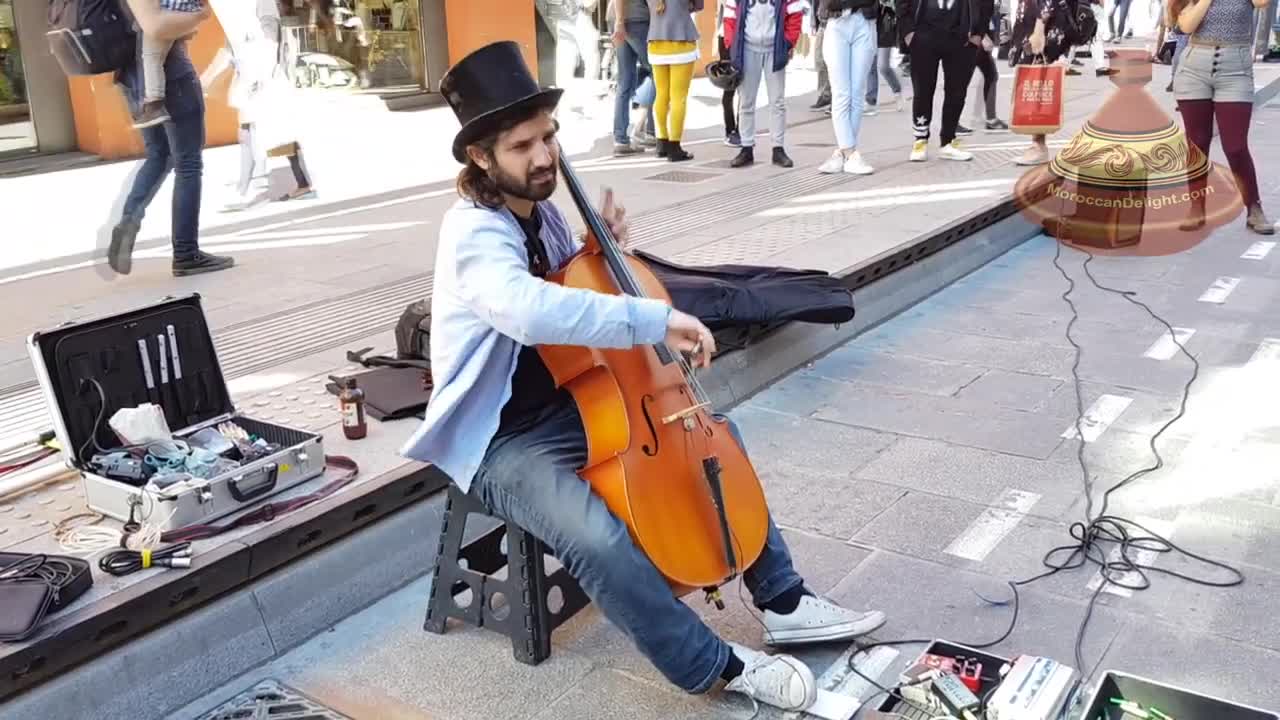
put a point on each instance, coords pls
(474, 182)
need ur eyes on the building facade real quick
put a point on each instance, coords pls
(396, 50)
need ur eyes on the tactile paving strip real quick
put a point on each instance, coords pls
(273, 699)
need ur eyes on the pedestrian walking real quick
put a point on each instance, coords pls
(848, 47)
(1097, 49)
(762, 35)
(260, 93)
(673, 50)
(886, 40)
(630, 20)
(1214, 80)
(1116, 35)
(177, 145)
(823, 101)
(983, 107)
(727, 96)
(946, 34)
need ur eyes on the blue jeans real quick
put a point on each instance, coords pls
(530, 478)
(848, 47)
(882, 61)
(635, 81)
(177, 145)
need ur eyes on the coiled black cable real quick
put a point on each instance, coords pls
(1107, 541)
(124, 562)
(53, 571)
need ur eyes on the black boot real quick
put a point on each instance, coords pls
(664, 146)
(120, 252)
(780, 158)
(675, 153)
(746, 156)
(201, 262)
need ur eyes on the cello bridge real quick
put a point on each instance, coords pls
(686, 414)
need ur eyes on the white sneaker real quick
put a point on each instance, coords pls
(855, 165)
(833, 164)
(780, 681)
(953, 152)
(897, 103)
(870, 110)
(818, 620)
(920, 151)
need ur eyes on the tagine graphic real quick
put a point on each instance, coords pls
(1130, 182)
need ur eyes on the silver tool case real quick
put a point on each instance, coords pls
(181, 374)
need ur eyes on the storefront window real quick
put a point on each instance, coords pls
(16, 131)
(353, 44)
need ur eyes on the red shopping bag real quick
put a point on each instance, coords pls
(1037, 99)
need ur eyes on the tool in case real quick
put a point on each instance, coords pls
(158, 365)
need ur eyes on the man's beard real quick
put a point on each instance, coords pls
(539, 186)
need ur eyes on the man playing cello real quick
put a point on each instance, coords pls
(501, 429)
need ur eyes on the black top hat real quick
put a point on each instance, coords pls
(488, 85)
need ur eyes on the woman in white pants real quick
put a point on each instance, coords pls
(258, 92)
(848, 47)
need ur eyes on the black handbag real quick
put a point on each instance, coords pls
(32, 586)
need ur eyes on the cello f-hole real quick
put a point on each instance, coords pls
(653, 432)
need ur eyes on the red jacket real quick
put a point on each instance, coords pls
(790, 20)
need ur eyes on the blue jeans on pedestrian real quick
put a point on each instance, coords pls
(848, 47)
(529, 477)
(177, 145)
(635, 81)
(883, 62)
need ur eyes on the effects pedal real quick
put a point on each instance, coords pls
(969, 671)
(1035, 688)
(955, 696)
(120, 466)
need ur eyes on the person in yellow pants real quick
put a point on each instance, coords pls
(673, 50)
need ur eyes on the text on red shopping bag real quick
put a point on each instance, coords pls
(1037, 99)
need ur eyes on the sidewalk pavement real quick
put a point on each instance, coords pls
(313, 285)
(353, 151)
(923, 465)
(330, 275)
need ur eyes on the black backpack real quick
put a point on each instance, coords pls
(89, 37)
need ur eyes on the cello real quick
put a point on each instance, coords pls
(656, 454)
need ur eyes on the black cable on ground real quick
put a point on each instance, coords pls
(124, 562)
(1101, 535)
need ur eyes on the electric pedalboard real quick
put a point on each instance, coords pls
(1035, 688)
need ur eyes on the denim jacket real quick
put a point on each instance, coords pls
(485, 305)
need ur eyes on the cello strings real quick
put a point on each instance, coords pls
(609, 244)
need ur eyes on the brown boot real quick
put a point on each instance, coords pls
(1258, 222)
(151, 113)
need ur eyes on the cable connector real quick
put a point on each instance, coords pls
(125, 562)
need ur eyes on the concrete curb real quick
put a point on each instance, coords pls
(169, 668)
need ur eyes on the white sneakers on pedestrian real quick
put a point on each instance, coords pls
(840, 162)
(818, 620)
(780, 681)
(952, 151)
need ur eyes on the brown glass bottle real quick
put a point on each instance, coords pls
(351, 403)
